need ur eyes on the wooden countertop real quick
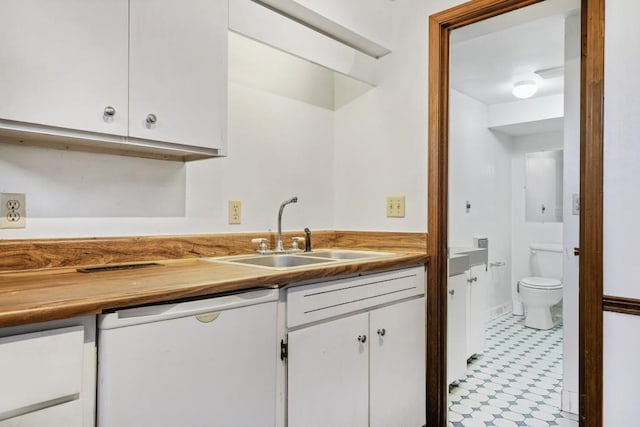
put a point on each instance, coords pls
(38, 296)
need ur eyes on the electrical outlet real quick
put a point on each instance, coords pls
(235, 212)
(395, 206)
(13, 210)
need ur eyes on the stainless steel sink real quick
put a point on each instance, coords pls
(278, 261)
(344, 254)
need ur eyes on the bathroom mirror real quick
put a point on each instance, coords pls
(543, 191)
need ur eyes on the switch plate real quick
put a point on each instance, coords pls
(395, 206)
(575, 206)
(235, 212)
(13, 210)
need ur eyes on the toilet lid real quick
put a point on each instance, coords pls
(541, 283)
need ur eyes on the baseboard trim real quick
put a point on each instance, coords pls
(569, 401)
(499, 310)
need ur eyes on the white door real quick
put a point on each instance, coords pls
(456, 328)
(63, 62)
(477, 309)
(178, 71)
(328, 374)
(397, 365)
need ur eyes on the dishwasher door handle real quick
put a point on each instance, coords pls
(156, 313)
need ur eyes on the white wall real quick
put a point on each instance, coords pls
(523, 232)
(379, 150)
(279, 148)
(621, 208)
(480, 172)
(621, 369)
(281, 145)
(381, 137)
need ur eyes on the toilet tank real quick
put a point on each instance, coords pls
(546, 260)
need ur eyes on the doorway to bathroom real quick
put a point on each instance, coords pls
(512, 324)
(511, 169)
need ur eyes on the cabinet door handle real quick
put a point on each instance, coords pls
(382, 332)
(109, 111)
(362, 339)
(152, 119)
(452, 291)
(473, 279)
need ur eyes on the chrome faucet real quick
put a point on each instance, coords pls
(279, 246)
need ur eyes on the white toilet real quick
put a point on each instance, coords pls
(544, 289)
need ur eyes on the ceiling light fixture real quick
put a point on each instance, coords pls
(524, 89)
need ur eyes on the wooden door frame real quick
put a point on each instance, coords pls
(591, 202)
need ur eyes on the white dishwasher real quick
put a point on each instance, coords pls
(203, 363)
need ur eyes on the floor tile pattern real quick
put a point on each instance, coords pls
(517, 380)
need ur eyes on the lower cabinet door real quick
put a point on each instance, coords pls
(397, 381)
(477, 312)
(457, 328)
(64, 415)
(328, 374)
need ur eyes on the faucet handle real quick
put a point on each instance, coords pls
(262, 249)
(294, 243)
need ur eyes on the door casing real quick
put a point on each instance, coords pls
(591, 201)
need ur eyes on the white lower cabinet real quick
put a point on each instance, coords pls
(478, 284)
(48, 374)
(456, 327)
(362, 369)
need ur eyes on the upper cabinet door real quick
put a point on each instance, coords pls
(178, 71)
(63, 63)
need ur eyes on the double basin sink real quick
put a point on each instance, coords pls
(302, 259)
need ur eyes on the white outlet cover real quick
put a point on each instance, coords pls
(13, 210)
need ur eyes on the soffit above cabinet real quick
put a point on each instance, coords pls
(290, 27)
(322, 24)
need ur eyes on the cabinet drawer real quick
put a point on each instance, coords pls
(318, 301)
(64, 415)
(39, 367)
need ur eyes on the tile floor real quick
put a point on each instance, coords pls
(517, 381)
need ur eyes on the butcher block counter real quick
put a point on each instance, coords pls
(43, 295)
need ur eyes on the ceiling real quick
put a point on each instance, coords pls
(488, 57)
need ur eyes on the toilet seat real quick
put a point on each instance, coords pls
(543, 283)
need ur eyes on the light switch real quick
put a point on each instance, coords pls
(395, 206)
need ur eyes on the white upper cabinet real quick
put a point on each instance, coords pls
(134, 77)
(64, 62)
(178, 71)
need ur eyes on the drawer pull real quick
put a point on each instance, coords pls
(362, 339)
(208, 317)
(382, 332)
